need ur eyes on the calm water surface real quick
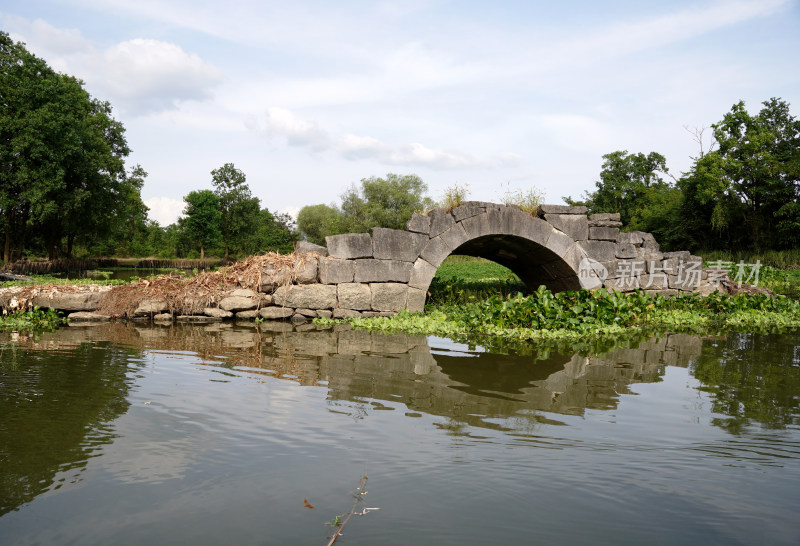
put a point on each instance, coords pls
(123, 434)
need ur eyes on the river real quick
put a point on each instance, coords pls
(245, 434)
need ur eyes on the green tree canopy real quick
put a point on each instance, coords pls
(383, 202)
(316, 222)
(62, 173)
(239, 209)
(202, 224)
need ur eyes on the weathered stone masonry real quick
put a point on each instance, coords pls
(362, 274)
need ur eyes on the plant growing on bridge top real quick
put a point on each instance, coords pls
(528, 200)
(454, 196)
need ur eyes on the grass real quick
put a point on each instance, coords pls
(49, 279)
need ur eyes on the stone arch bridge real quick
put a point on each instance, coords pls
(560, 247)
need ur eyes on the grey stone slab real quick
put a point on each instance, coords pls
(89, 316)
(345, 313)
(324, 313)
(574, 255)
(415, 301)
(419, 223)
(349, 245)
(466, 211)
(304, 247)
(436, 250)
(626, 251)
(627, 284)
(422, 274)
(559, 243)
(631, 238)
(197, 318)
(603, 233)
(306, 269)
(372, 270)
(574, 225)
(310, 313)
(148, 307)
(334, 271)
(310, 296)
(238, 303)
(388, 296)
(654, 281)
(440, 221)
(394, 244)
(604, 223)
(604, 217)
(276, 313)
(602, 251)
(561, 209)
(454, 237)
(247, 315)
(217, 312)
(354, 296)
(625, 268)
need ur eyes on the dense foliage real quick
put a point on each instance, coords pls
(32, 321)
(62, 173)
(379, 202)
(743, 190)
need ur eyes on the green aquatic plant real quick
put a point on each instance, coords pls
(35, 320)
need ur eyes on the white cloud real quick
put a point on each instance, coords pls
(164, 210)
(151, 75)
(138, 76)
(308, 134)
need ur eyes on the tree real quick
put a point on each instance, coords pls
(239, 209)
(382, 202)
(202, 224)
(62, 173)
(316, 222)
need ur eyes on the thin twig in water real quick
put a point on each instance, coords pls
(358, 494)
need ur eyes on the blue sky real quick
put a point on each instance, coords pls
(308, 98)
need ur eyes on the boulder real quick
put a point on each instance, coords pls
(234, 304)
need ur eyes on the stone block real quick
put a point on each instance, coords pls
(235, 304)
(273, 276)
(217, 312)
(488, 223)
(372, 270)
(436, 250)
(421, 275)
(415, 301)
(603, 233)
(604, 217)
(345, 313)
(626, 251)
(393, 244)
(89, 316)
(627, 284)
(305, 269)
(324, 313)
(310, 296)
(573, 256)
(440, 221)
(310, 313)
(276, 313)
(574, 225)
(632, 238)
(654, 281)
(419, 223)
(148, 307)
(354, 296)
(466, 211)
(684, 282)
(602, 251)
(349, 245)
(163, 317)
(247, 315)
(388, 296)
(297, 318)
(197, 318)
(560, 209)
(559, 243)
(454, 237)
(625, 268)
(604, 223)
(304, 247)
(334, 271)
(244, 293)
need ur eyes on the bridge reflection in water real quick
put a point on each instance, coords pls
(472, 387)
